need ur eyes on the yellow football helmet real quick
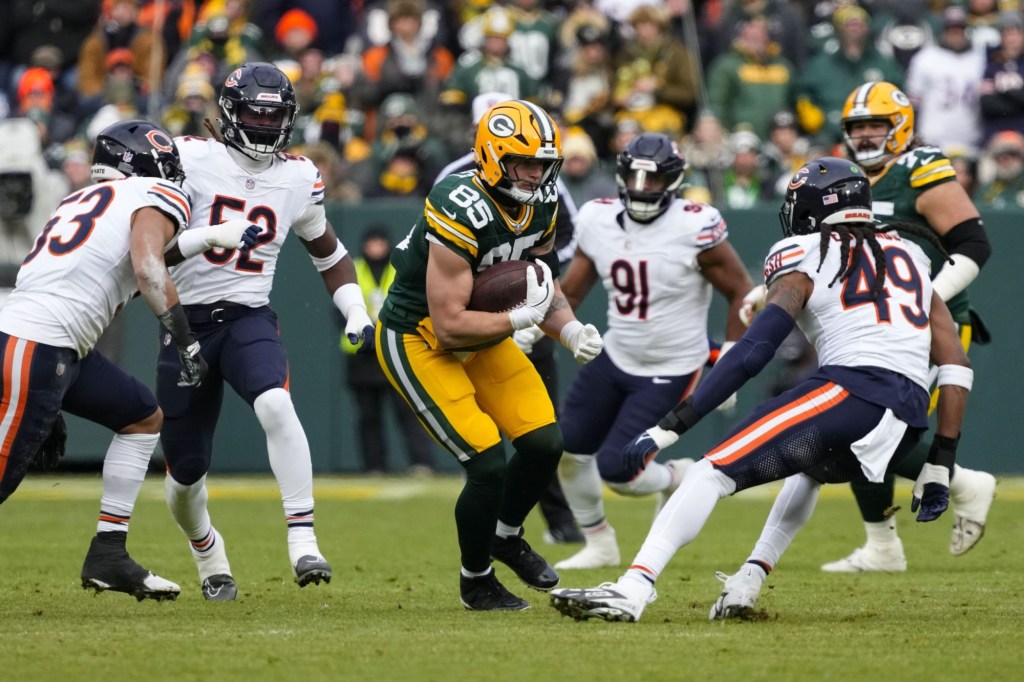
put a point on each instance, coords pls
(516, 129)
(883, 102)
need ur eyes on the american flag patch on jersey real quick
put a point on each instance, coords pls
(782, 261)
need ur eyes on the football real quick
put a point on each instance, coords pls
(501, 287)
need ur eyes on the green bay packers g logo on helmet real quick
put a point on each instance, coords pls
(501, 125)
(517, 130)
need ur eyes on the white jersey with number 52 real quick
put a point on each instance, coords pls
(286, 196)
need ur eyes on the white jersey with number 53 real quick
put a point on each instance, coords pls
(286, 196)
(657, 298)
(79, 274)
(846, 325)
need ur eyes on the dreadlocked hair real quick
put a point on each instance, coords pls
(860, 234)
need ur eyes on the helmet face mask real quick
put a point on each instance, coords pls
(649, 173)
(515, 140)
(826, 191)
(258, 108)
(136, 148)
(882, 102)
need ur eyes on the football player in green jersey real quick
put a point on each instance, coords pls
(459, 369)
(915, 183)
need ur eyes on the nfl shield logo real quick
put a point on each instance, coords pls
(250, 183)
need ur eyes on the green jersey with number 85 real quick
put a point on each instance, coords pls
(460, 215)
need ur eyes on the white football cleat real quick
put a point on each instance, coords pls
(676, 467)
(601, 551)
(871, 558)
(971, 493)
(623, 601)
(739, 596)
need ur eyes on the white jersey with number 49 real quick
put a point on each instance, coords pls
(79, 274)
(846, 325)
(657, 298)
(286, 196)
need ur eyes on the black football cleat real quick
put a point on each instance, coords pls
(311, 569)
(530, 567)
(220, 587)
(486, 593)
(107, 566)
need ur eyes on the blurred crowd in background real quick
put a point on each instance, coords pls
(751, 89)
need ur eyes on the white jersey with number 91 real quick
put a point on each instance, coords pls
(657, 297)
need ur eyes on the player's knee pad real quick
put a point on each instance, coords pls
(188, 470)
(274, 409)
(572, 465)
(486, 471)
(612, 467)
(544, 443)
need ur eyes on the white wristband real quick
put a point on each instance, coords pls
(570, 330)
(193, 242)
(346, 296)
(328, 261)
(954, 277)
(955, 375)
(662, 437)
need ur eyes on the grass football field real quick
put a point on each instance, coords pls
(392, 610)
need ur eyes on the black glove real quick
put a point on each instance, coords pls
(931, 489)
(52, 449)
(193, 365)
(368, 340)
(249, 237)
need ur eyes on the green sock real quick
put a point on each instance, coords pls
(530, 471)
(476, 510)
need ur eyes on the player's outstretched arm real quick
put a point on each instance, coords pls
(722, 267)
(787, 296)
(234, 234)
(333, 262)
(151, 231)
(955, 379)
(954, 217)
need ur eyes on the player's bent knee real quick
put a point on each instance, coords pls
(273, 408)
(612, 468)
(543, 443)
(150, 425)
(486, 470)
(572, 464)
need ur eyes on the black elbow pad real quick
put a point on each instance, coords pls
(970, 239)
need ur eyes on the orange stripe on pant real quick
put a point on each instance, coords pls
(15, 394)
(771, 425)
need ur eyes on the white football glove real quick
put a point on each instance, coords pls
(526, 338)
(538, 299)
(233, 234)
(356, 323)
(584, 341)
(753, 303)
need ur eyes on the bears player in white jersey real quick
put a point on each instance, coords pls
(659, 257)
(101, 246)
(246, 174)
(861, 294)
